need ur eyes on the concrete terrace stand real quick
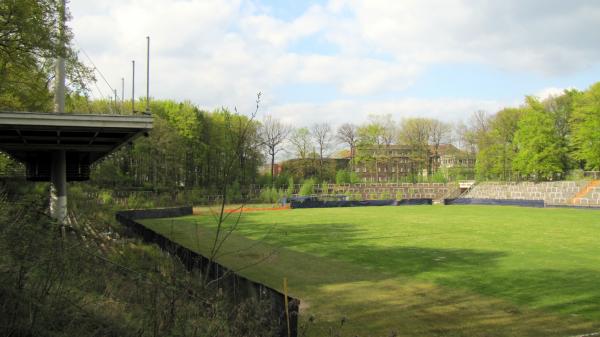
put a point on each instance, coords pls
(60, 147)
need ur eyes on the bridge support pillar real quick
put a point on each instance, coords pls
(58, 187)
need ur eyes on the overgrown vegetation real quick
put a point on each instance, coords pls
(98, 281)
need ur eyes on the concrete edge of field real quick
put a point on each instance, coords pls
(234, 284)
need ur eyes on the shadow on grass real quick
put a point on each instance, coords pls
(362, 279)
(346, 242)
(423, 309)
(575, 292)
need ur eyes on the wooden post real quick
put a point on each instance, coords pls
(287, 309)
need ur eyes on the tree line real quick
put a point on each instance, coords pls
(540, 140)
(191, 147)
(314, 148)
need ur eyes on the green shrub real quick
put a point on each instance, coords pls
(354, 178)
(438, 177)
(342, 177)
(385, 195)
(105, 197)
(324, 188)
(234, 194)
(290, 188)
(270, 195)
(575, 175)
(307, 187)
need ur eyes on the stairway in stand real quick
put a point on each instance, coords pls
(588, 195)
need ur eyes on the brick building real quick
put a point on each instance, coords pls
(394, 162)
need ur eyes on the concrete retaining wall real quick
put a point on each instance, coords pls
(234, 285)
(397, 191)
(363, 203)
(497, 202)
(553, 193)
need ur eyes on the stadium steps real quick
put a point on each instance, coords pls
(452, 193)
(588, 195)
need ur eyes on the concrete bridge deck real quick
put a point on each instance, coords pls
(33, 138)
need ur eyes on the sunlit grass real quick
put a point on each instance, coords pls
(422, 270)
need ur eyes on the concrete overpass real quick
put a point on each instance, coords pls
(60, 147)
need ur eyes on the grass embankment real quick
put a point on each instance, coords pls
(419, 270)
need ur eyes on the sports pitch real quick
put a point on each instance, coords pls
(420, 270)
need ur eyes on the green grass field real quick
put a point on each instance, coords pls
(421, 270)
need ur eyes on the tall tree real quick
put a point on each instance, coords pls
(322, 135)
(347, 134)
(504, 125)
(415, 133)
(29, 43)
(386, 126)
(378, 132)
(274, 133)
(560, 109)
(302, 144)
(301, 141)
(473, 133)
(539, 149)
(586, 127)
(439, 133)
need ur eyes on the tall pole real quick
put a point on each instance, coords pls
(133, 86)
(116, 98)
(122, 93)
(148, 74)
(59, 85)
(58, 186)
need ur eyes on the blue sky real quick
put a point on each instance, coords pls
(341, 60)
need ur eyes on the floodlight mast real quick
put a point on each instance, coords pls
(147, 74)
(58, 179)
(122, 93)
(132, 86)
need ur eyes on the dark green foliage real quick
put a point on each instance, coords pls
(346, 177)
(270, 195)
(541, 140)
(307, 187)
(95, 281)
(540, 154)
(586, 127)
(342, 177)
(301, 169)
(30, 41)
(187, 149)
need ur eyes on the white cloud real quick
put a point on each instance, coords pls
(221, 52)
(547, 37)
(340, 111)
(550, 92)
